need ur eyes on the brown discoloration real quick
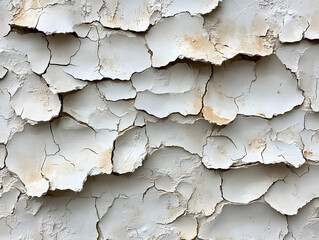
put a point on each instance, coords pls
(314, 26)
(221, 30)
(28, 13)
(105, 161)
(307, 154)
(289, 131)
(261, 115)
(112, 19)
(259, 26)
(197, 104)
(107, 65)
(27, 173)
(34, 3)
(257, 143)
(247, 43)
(33, 176)
(200, 44)
(202, 48)
(255, 45)
(210, 115)
(21, 12)
(27, 16)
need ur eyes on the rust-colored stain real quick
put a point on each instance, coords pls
(210, 115)
(202, 48)
(308, 154)
(21, 12)
(197, 103)
(257, 144)
(105, 160)
(199, 44)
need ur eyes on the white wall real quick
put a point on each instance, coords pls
(159, 119)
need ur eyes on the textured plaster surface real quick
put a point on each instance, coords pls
(159, 119)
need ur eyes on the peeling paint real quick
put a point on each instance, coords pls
(159, 119)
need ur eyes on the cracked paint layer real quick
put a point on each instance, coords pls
(305, 224)
(159, 119)
(130, 150)
(174, 84)
(185, 36)
(244, 185)
(249, 140)
(293, 196)
(255, 217)
(264, 89)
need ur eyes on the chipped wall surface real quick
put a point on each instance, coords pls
(159, 119)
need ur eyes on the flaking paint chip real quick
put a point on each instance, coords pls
(259, 219)
(182, 84)
(288, 196)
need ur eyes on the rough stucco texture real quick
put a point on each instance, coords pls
(159, 119)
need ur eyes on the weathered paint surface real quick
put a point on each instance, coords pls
(159, 119)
